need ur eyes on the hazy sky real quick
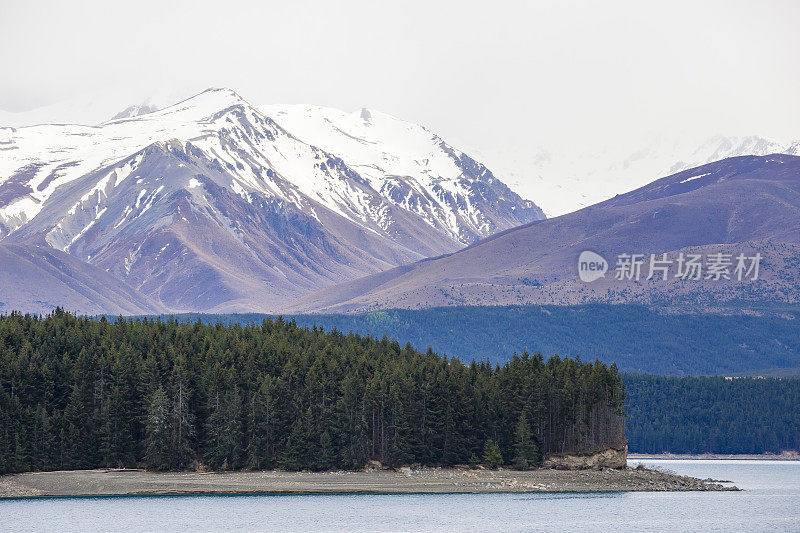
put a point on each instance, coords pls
(486, 72)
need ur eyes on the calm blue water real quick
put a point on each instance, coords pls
(770, 502)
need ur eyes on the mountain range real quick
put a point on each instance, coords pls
(744, 206)
(216, 205)
(562, 176)
(213, 204)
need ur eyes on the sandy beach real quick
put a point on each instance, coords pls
(403, 481)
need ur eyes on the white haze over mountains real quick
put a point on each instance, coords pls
(559, 180)
(558, 96)
(93, 107)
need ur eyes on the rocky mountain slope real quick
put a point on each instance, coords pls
(36, 279)
(738, 206)
(214, 205)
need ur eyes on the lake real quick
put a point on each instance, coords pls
(770, 502)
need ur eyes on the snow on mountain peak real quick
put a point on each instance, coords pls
(265, 203)
(316, 191)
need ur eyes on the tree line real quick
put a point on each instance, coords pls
(162, 394)
(712, 414)
(637, 338)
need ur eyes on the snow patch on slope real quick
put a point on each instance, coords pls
(363, 166)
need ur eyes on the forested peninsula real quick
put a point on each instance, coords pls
(78, 393)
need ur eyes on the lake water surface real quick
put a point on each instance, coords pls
(770, 502)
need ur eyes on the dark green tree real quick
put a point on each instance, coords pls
(526, 450)
(159, 453)
(492, 457)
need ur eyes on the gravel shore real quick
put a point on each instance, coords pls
(403, 481)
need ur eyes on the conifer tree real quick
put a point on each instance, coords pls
(526, 450)
(159, 453)
(492, 457)
(260, 424)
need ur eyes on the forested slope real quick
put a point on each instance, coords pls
(84, 393)
(637, 338)
(712, 414)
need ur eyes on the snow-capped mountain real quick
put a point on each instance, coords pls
(214, 204)
(411, 167)
(564, 180)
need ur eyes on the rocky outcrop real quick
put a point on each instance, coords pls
(592, 460)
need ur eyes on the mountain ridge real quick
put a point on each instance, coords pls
(210, 204)
(749, 204)
(37, 279)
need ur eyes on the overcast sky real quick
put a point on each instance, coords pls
(486, 72)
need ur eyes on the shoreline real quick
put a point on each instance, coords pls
(717, 456)
(109, 482)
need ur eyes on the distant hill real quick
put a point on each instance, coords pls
(744, 205)
(37, 279)
(699, 415)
